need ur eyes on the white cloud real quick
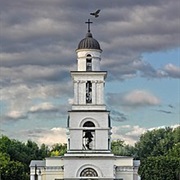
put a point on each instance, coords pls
(136, 131)
(172, 70)
(71, 101)
(46, 106)
(33, 74)
(129, 134)
(20, 97)
(43, 135)
(133, 99)
(39, 39)
(52, 136)
(139, 98)
(159, 127)
(15, 115)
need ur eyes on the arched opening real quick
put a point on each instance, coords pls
(90, 120)
(89, 172)
(89, 92)
(88, 135)
(88, 63)
(88, 124)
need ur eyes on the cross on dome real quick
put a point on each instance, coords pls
(88, 22)
(89, 42)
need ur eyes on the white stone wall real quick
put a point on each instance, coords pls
(81, 58)
(102, 135)
(70, 167)
(124, 161)
(102, 131)
(54, 168)
(76, 139)
(80, 79)
(103, 166)
(78, 118)
(52, 174)
(54, 161)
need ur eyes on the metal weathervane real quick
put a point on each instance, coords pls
(95, 14)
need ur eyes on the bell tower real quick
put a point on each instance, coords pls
(89, 155)
(89, 126)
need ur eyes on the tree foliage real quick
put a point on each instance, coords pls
(159, 152)
(58, 149)
(121, 149)
(160, 168)
(155, 143)
(15, 157)
(14, 170)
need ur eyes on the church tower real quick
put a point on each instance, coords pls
(89, 127)
(88, 154)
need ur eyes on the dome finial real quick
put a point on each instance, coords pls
(88, 22)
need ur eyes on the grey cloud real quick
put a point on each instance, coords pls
(39, 39)
(40, 91)
(171, 106)
(118, 116)
(34, 74)
(49, 108)
(36, 132)
(130, 134)
(48, 56)
(46, 33)
(13, 118)
(19, 98)
(172, 71)
(42, 110)
(164, 111)
(133, 99)
(43, 135)
(31, 133)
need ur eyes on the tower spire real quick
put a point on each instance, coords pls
(88, 22)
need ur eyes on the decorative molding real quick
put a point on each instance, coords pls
(54, 168)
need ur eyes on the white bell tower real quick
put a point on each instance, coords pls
(88, 154)
(89, 125)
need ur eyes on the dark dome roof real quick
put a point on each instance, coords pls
(89, 43)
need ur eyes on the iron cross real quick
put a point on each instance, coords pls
(88, 22)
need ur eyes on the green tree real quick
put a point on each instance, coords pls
(160, 168)
(4, 160)
(20, 154)
(176, 135)
(58, 149)
(44, 151)
(175, 151)
(121, 149)
(155, 143)
(13, 171)
(159, 151)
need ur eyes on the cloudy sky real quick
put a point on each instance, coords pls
(140, 42)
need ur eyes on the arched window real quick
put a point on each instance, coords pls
(88, 124)
(89, 172)
(89, 92)
(88, 135)
(88, 63)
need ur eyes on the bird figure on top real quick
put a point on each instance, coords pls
(95, 14)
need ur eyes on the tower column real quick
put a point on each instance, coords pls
(76, 92)
(81, 92)
(100, 92)
(94, 94)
